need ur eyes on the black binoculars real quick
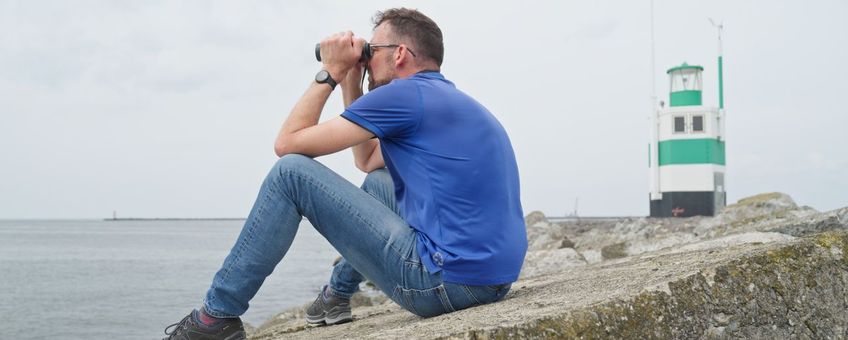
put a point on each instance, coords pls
(366, 52)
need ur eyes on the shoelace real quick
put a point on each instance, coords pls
(177, 327)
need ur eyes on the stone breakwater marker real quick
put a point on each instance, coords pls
(686, 154)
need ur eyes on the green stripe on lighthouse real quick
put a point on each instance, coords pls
(691, 151)
(685, 98)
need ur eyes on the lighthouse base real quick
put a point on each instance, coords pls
(688, 203)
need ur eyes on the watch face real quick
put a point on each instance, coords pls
(322, 76)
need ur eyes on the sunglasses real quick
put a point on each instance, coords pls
(367, 50)
(370, 48)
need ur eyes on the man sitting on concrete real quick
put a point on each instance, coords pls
(437, 225)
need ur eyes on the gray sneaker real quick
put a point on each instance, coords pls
(331, 311)
(190, 328)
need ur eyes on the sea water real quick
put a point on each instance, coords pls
(129, 279)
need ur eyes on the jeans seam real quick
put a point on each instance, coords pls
(405, 271)
(439, 292)
(346, 206)
(236, 258)
(397, 295)
(250, 235)
(468, 291)
(442, 293)
(407, 297)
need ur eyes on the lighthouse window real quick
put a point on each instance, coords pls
(679, 124)
(698, 123)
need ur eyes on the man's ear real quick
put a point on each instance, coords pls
(399, 56)
(402, 51)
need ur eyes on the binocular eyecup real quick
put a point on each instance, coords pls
(366, 52)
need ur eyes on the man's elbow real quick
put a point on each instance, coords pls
(282, 148)
(287, 146)
(366, 166)
(362, 166)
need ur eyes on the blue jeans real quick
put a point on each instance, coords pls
(361, 223)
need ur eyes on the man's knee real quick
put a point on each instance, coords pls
(377, 179)
(293, 162)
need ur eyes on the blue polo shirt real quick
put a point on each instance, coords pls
(455, 177)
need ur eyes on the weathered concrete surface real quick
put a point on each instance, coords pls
(762, 269)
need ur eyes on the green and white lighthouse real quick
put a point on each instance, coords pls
(688, 167)
(686, 154)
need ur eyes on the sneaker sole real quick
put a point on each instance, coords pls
(330, 320)
(341, 318)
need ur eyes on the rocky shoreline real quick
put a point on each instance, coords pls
(763, 268)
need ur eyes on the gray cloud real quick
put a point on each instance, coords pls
(170, 108)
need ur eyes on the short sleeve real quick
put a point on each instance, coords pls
(390, 111)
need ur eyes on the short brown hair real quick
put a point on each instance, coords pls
(418, 28)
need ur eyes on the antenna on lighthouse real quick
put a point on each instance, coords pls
(653, 62)
(719, 26)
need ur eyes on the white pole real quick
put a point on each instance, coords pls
(721, 135)
(654, 146)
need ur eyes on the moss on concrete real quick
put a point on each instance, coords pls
(792, 291)
(759, 199)
(780, 214)
(614, 251)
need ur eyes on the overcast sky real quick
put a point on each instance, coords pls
(170, 108)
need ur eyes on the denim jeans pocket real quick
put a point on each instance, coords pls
(424, 302)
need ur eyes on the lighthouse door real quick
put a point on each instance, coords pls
(719, 199)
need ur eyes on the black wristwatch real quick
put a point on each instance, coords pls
(323, 77)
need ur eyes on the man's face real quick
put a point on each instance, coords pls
(381, 66)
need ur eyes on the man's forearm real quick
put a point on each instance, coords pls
(350, 94)
(362, 153)
(305, 113)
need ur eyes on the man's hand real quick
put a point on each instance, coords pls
(301, 132)
(340, 52)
